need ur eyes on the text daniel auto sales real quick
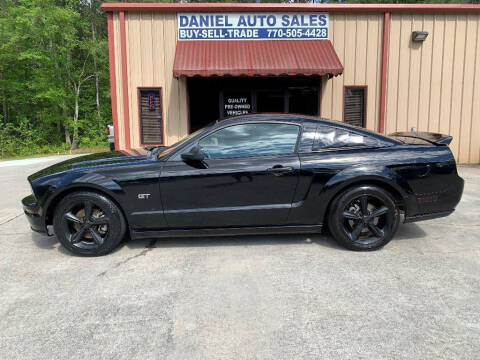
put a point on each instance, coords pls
(252, 26)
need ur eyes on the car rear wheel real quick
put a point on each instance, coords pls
(363, 218)
(88, 224)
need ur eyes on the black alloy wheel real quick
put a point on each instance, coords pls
(364, 218)
(88, 223)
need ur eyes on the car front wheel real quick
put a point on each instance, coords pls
(363, 218)
(88, 224)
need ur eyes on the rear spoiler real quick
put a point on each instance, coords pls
(434, 138)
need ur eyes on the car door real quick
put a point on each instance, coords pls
(333, 150)
(248, 178)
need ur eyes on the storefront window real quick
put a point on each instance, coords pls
(271, 100)
(211, 99)
(303, 100)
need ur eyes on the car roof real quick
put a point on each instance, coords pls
(302, 119)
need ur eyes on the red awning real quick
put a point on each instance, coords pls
(256, 58)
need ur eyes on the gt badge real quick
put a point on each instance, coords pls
(143, 196)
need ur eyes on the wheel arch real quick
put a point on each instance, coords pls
(333, 189)
(399, 198)
(55, 199)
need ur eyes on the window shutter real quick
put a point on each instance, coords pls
(354, 112)
(151, 121)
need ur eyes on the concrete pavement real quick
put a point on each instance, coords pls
(260, 297)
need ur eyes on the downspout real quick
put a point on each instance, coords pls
(126, 111)
(113, 79)
(383, 85)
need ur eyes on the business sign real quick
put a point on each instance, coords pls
(252, 26)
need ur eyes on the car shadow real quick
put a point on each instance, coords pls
(49, 243)
(405, 232)
(43, 241)
(409, 231)
(238, 240)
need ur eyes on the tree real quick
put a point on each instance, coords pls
(52, 54)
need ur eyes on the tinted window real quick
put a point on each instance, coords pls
(329, 137)
(251, 139)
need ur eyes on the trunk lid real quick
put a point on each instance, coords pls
(422, 138)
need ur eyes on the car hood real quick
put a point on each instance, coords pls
(87, 161)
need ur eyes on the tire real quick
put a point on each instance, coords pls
(88, 224)
(363, 218)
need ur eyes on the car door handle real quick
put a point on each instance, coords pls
(278, 170)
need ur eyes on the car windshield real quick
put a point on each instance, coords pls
(171, 148)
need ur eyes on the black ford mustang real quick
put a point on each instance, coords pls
(254, 174)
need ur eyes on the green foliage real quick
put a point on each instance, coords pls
(23, 139)
(311, 1)
(53, 57)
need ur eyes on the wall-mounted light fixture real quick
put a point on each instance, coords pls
(419, 35)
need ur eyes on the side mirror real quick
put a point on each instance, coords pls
(194, 155)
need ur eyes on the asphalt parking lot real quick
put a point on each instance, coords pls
(260, 297)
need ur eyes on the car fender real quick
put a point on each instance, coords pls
(84, 181)
(381, 175)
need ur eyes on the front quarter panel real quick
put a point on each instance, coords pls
(134, 186)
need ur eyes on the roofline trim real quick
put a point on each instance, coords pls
(269, 7)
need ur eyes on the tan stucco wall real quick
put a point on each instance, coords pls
(434, 85)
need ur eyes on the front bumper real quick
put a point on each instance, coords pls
(33, 213)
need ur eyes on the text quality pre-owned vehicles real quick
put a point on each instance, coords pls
(250, 175)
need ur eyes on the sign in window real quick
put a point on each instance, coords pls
(238, 103)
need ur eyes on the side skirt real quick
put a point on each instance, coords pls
(261, 230)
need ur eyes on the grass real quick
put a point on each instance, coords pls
(67, 152)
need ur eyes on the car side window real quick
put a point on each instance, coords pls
(331, 138)
(251, 139)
